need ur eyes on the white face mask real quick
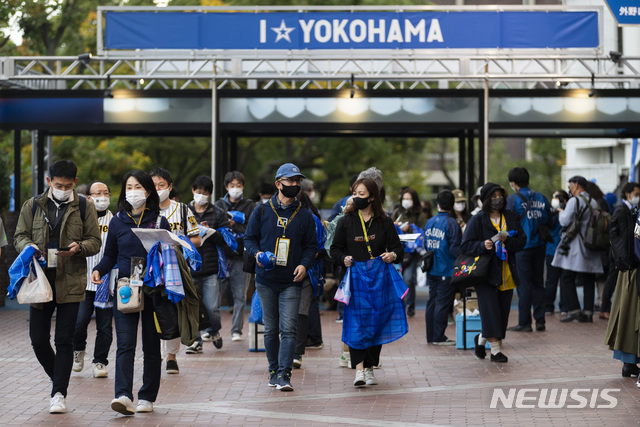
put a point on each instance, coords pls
(407, 204)
(480, 203)
(235, 193)
(513, 188)
(459, 207)
(62, 195)
(635, 200)
(163, 194)
(136, 198)
(102, 203)
(200, 199)
(265, 201)
(555, 203)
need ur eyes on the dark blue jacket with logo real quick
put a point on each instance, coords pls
(538, 214)
(443, 236)
(263, 231)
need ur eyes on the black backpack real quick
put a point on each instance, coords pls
(596, 237)
(82, 200)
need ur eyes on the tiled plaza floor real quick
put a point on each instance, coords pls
(420, 384)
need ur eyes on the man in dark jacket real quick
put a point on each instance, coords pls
(533, 209)
(621, 234)
(66, 233)
(206, 280)
(238, 280)
(288, 231)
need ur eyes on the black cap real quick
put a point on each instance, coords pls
(488, 189)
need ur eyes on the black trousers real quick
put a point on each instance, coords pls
(370, 356)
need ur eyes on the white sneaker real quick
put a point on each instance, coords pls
(144, 406)
(78, 361)
(345, 360)
(206, 336)
(236, 337)
(58, 404)
(369, 378)
(99, 370)
(359, 381)
(124, 405)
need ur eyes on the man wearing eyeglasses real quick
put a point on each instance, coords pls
(281, 235)
(95, 298)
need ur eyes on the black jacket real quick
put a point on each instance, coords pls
(621, 235)
(480, 228)
(212, 217)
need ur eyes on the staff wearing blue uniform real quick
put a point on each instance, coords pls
(533, 209)
(443, 236)
(288, 230)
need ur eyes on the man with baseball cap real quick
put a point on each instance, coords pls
(283, 227)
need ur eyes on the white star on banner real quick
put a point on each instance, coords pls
(282, 31)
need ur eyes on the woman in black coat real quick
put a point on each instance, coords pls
(494, 294)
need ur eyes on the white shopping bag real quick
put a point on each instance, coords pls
(35, 288)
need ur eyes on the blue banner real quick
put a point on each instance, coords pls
(626, 12)
(345, 30)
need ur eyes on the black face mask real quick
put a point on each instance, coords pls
(361, 202)
(290, 191)
(497, 204)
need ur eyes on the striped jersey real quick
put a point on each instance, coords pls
(173, 213)
(103, 226)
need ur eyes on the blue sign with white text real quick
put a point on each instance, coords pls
(346, 30)
(626, 12)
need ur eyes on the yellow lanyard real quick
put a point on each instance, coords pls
(284, 226)
(134, 221)
(366, 237)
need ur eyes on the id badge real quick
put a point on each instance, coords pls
(282, 251)
(52, 256)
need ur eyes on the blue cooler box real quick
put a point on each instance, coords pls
(473, 328)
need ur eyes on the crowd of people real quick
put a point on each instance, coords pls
(96, 263)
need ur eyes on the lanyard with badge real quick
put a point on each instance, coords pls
(282, 243)
(366, 237)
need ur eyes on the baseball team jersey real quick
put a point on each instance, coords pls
(173, 213)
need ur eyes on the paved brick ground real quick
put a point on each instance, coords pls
(420, 384)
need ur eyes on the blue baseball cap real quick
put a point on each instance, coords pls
(288, 170)
(125, 294)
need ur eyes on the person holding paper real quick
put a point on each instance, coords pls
(496, 231)
(138, 207)
(64, 228)
(373, 316)
(283, 227)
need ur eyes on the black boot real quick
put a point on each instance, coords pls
(630, 370)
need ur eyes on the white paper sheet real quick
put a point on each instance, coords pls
(205, 232)
(409, 237)
(150, 236)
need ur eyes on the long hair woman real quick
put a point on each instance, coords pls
(364, 234)
(495, 231)
(138, 207)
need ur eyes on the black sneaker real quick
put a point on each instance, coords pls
(520, 328)
(480, 351)
(411, 311)
(217, 340)
(284, 382)
(273, 379)
(194, 348)
(541, 327)
(172, 367)
(499, 358)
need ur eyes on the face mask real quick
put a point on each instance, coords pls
(513, 188)
(163, 194)
(290, 191)
(497, 204)
(459, 207)
(61, 195)
(265, 201)
(407, 204)
(555, 203)
(480, 203)
(102, 203)
(361, 202)
(136, 198)
(634, 200)
(235, 193)
(200, 199)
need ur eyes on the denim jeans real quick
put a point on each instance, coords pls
(570, 293)
(551, 287)
(56, 364)
(439, 304)
(238, 282)
(104, 329)
(280, 306)
(410, 277)
(211, 298)
(531, 290)
(127, 336)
